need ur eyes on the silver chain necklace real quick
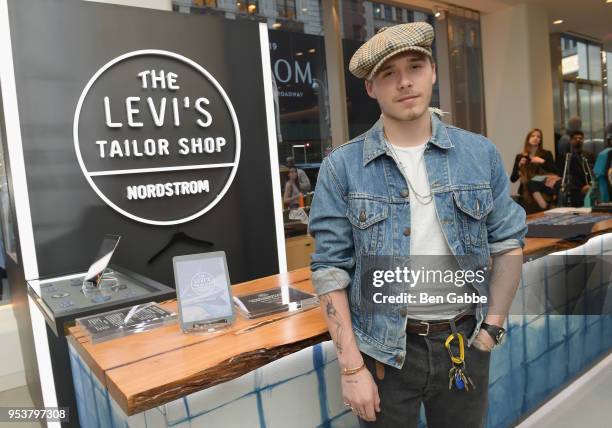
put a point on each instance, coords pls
(423, 199)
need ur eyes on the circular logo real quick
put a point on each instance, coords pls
(202, 283)
(156, 137)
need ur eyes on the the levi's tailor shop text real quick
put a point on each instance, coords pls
(152, 126)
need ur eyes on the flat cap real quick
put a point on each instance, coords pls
(415, 36)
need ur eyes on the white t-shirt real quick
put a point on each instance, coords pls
(427, 238)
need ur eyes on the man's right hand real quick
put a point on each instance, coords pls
(361, 393)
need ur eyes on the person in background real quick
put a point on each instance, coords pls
(303, 181)
(602, 167)
(292, 193)
(578, 170)
(536, 169)
(563, 147)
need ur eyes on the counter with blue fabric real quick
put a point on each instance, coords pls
(280, 371)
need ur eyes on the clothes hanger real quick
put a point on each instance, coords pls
(180, 237)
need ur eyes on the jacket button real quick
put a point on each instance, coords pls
(404, 193)
(407, 231)
(399, 359)
(362, 216)
(403, 312)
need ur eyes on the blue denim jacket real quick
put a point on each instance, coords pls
(361, 207)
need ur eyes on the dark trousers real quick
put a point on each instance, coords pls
(424, 379)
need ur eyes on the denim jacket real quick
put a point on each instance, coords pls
(361, 207)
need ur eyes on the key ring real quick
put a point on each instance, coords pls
(449, 339)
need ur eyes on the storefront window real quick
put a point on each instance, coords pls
(361, 20)
(286, 8)
(247, 6)
(205, 3)
(298, 70)
(301, 97)
(584, 88)
(465, 61)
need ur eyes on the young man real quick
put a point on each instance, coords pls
(580, 169)
(412, 185)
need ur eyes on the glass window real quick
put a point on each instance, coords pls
(205, 3)
(465, 60)
(359, 26)
(399, 14)
(571, 99)
(247, 6)
(298, 69)
(597, 116)
(585, 110)
(388, 13)
(585, 90)
(300, 90)
(378, 11)
(594, 63)
(583, 64)
(286, 8)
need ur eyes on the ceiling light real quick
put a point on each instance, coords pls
(304, 9)
(313, 50)
(438, 12)
(276, 25)
(299, 53)
(558, 21)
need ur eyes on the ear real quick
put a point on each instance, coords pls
(369, 86)
(434, 75)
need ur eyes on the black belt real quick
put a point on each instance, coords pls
(423, 328)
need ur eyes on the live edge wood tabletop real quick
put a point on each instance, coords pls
(152, 368)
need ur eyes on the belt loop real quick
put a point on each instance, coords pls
(453, 326)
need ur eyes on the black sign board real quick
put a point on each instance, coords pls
(146, 124)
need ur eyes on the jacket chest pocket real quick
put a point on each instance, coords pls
(367, 217)
(473, 206)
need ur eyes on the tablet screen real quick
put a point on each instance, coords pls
(203, 287)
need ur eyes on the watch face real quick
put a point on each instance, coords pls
(501, 336)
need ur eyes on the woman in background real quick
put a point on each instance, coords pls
(536, 169)
(292, 193)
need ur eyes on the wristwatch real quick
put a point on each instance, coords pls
(498, 334)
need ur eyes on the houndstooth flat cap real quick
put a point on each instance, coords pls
(415, 36)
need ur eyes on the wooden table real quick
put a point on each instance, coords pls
(146, 370)
(151, 368)
(541, 246)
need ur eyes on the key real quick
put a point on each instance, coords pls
(467, 379)
(451, 377)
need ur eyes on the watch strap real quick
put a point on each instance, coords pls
(493, 331)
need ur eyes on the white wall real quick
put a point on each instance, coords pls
(517, 77)
(12, 373)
